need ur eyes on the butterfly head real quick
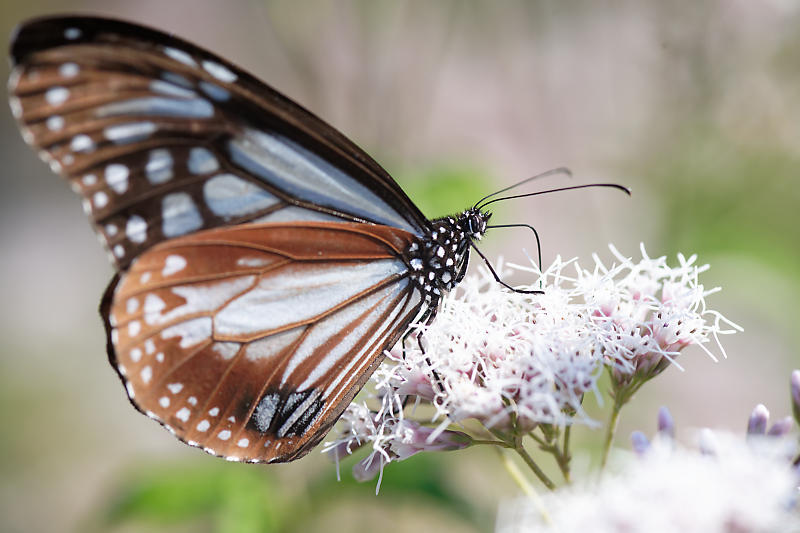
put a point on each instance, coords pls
(473, 222)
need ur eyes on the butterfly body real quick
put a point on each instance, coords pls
(264, 262)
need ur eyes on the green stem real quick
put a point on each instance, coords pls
(611, 429)
(533, 466)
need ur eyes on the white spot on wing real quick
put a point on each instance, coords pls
(136, 355)
(159, 166)
(171, 89)
(183, 414)
(16, 106)
(243, 443)
(72, 33)
(180, 56)
(163, 402)
(136, 229)
(220, 72)
(146, 374)
(130, 132)
(224, 435)
(254, 262)
(82, 143)
(100, 199)
(175, 388)
(158, 106)
(69, 70)
(180, 214)
(271, 346)
(116, 176)
(215, 91)
(55, 123)
(226, 350)
(134, 328)
(173, 264)
(192, 332)
(131, 305)
(201, 161)
(119, 251)
(56, 95)
(203, 426)
(214, 411)
(229, 196)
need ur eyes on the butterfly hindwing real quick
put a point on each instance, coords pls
(162, 138)
(249, 341)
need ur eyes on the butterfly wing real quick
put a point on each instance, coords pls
(162, 138)
(249, 341)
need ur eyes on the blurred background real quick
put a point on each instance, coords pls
(694, 105)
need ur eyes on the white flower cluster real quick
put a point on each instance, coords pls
(728, 486)
(512, 360)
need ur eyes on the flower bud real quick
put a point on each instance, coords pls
(759, 418)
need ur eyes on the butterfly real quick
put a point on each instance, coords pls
(264, 263)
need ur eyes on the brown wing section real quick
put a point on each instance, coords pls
(250, 341)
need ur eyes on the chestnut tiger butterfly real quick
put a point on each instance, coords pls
(264, 262)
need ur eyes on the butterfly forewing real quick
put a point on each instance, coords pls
(162, 138)
(249, 341)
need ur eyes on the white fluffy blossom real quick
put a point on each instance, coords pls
(730, 486)
(514, 361)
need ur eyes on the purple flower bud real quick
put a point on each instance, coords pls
(418, 438)
(781, 427)
(666, 426)
(759, 418)
(368, 467)
(795, 386)
(639, 442)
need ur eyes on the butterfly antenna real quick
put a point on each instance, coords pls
(560, 170)
(526, 195)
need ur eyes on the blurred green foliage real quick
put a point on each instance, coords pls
(234, 498)
(445, 189)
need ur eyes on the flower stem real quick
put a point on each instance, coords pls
(611, 429)
(533, 466)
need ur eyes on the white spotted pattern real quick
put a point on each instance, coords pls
(55, 123)
(229, 196)
(203, 426)
(100, 199)
(180, 56)
(56, 95)
(130, 132)
(82, 143)
(163, 402)
(136, 229)
(224, 434)
(69, 70)
(180, 215)
(220, 72)
(116, 176)
(173, 264)
(201, 161)
(159, 166)
(183, 414)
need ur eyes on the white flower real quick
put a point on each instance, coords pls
(738, 487)
(513, 361)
